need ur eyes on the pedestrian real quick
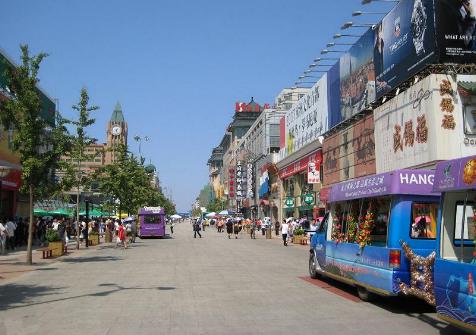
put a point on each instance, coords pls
(129, 231)
(172, 224)
(196, 229)
(284, 232)
(237, 228)
(3, 238)
(253, 229)
(11, 227)
(229, 227)
(61, 229)
(276, 227)
(121, 236)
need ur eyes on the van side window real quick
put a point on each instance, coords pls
(378, 235)
(464, 228)
(423, 224)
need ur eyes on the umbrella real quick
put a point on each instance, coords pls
(175, 216)
(211, 214)
(224, 212)
(129, 218)
(427, 218)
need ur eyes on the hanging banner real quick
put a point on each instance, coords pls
(313, 173)
(404, 43)
(240, 181)
(250, 194)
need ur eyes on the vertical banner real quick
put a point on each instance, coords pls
(240, 181)
(313, 173)
(250, 194)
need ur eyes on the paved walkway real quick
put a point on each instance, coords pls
(211, 285)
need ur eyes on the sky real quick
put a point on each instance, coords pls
(177, 67)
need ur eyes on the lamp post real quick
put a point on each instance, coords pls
(366, 2)
(326, 51)
(350, 24)
(4, 171)
(359, 12)
(345, 35)
(319, 65)
(331, 44)
(87, 196)
(139, 139)
(325, 58)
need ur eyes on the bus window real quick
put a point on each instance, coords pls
(378, 236)
(151, 219)
(467, 223)
(423, 224)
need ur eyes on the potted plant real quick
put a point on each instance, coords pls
(54, 242)
(298, 235)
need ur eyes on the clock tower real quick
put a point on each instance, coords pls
(116, 133)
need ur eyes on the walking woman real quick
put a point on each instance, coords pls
(237, 228)
(284, 233)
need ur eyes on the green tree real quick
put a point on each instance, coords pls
(40, 144)
(216, 205)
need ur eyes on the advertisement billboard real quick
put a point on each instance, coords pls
(350, 153)
(404, 43)
(357, 76)
(421, 125)
(333, 95)
(307, 119)
(456, 28)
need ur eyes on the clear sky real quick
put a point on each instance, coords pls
(177, 67)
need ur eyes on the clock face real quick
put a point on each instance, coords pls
(116, 130)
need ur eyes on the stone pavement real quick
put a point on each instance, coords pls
(211, 285)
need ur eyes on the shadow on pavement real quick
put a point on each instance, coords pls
(19, 296)
(92, 259)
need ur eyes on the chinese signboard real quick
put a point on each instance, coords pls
(249, 184)
(240, 181)
(301, 165)
(458, 174)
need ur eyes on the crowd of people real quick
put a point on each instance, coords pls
(232, 226)
(14, 232)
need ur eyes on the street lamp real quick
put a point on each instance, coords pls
(317, 65)
(350, 24)
(319, 59)
(4, 171)
(326, 51)
(139, 139)
(345, 35)
(314, 71)
(331, 44)
(366, 2)
(359, 12)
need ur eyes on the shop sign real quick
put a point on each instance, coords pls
(289, 202)
(420, 125)
(240, 181)
(308, 198)
(301, 165)
(313, 173)
(249, 181)
(231, 176)
(307, 119)
(458, 174)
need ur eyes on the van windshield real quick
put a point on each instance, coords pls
(151, 219)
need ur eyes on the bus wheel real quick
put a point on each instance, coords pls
(312, 267)
(364, 294)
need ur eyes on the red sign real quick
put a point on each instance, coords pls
(231, 177)
(244, 107)
(301, 165)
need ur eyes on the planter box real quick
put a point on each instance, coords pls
(57, 248)
(93, 240)
(297, 239)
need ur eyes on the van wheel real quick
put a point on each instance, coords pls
(364, 294)
(312, 267)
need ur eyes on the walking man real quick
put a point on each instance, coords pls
(284, 232)
(196, 229)
(11, 227)
(229, 227)
(253, 229)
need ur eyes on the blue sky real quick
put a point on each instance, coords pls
(176, 66)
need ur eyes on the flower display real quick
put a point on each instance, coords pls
(336, 234)
(365, 228)
(351, 228)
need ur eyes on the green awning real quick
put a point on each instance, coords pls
(40, 212)
(60, 211)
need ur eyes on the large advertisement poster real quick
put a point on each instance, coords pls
(456, 27)
(307, 119)
(333, 95)
(404, 43)
(357, 76)
(420, 126)
(350, 153)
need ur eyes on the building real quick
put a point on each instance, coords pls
(288, 97)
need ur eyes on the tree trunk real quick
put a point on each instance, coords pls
(29, 250)
(78, 229)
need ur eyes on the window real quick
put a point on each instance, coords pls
(469, 117)
(464, 223)
(381, 206)
(151, 219)
(423, 224)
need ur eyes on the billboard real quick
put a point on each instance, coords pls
(333, 95)
(422, 125)
(357, 76)
(307, 119)
(456, 28)
(350, 153)
(404, 43)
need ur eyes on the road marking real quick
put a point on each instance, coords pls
(326, 286)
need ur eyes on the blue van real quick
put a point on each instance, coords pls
(360, 240)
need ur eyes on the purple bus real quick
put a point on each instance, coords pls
(151, 222)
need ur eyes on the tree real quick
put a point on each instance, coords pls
(39, 143)
(216, 205)
(79, 142)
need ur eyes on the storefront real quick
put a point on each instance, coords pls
(301, 185)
